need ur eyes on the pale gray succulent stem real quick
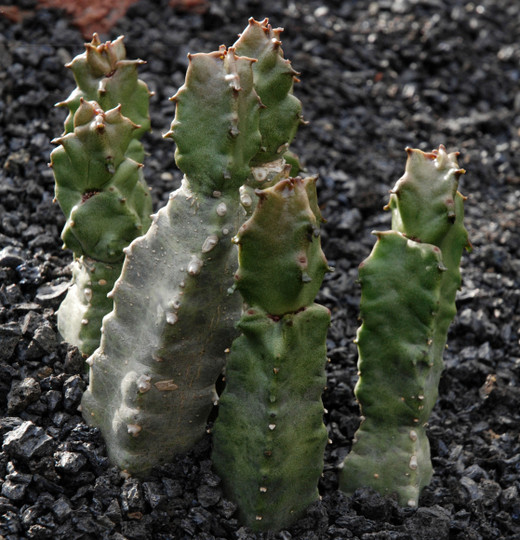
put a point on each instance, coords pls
(164, 342)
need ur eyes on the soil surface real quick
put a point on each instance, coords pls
(376, 76)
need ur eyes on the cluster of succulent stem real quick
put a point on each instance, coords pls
(155, 300)
(408, 287)
(152, 379)
(99, 182)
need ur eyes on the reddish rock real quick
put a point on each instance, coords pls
(96, 15)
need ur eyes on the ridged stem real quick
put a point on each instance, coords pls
(408, 287)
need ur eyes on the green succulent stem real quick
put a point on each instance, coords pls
(104, 74)
(99, 181)
(289, 274)
(86, 303)
(269, 437)
(408, 287)
(211, 148)
(274, 81)
(102, 194)
(152, 380)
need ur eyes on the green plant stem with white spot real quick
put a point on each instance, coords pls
(269, 437)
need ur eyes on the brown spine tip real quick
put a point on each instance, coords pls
(292, 71)
(90, 48)
(95, 40)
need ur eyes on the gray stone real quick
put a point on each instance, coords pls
(8, 423)
(73, 389)
(30, 515)
(46, 337)
(153, 493)
(51, 294)
(22, 393)
(113, 512)
(15, 486)
(12, 524)
(69, 462)
(10, 335)
(74, 361)
(27, 441)
(11, 294)
(53, 399)
(208, 496)
(11, 257)
(31, 322)
(61, 509)
(13, 491)
(173, 487)
(131, 496)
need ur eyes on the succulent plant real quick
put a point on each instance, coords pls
(152, 380)
(104, 74)
(408, 287)
(107, 205)
(174, 315)
(274, 79)
(280, 113)
(269, 437)
(164, 285)
(99, 182)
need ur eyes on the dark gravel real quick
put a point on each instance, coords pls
(376, 76)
